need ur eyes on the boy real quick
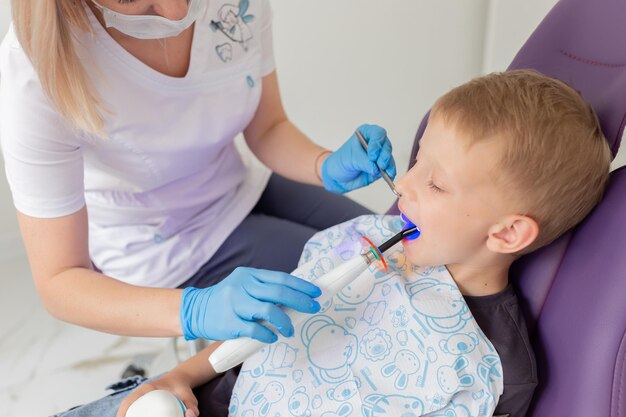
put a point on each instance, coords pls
(508, 163)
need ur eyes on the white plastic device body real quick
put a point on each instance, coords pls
(157, 403)
(234, 351)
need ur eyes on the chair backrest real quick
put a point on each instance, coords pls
(574, 290)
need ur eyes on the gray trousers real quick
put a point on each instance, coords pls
(274, 233)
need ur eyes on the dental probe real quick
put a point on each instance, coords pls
(382, 172)
(234, 351)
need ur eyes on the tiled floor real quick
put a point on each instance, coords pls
(47, 366)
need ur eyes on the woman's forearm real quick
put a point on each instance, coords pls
(278, 143)
(90, 299)
(290, 153)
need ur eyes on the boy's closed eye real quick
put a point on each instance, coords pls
(434, 187)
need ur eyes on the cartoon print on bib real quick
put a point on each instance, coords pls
(374, 312)
(272, 393)
(260, 362)
(458, 344)
(405, 364)
(376, 345)
(402, 343)
(283, 356)
(452, 377)
(345, 390)
(449, 319)
(299, 403)
(386, 405)
(320, 336)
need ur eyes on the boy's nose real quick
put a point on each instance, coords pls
(400, 185)
(407, 187)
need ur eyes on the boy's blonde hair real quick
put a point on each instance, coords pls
(44, 29)
(555, 161)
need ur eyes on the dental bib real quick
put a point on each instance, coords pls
(396, 343)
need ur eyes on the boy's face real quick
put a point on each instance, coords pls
(450, 194)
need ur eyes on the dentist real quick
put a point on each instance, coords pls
(137, 212)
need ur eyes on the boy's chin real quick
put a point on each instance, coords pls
(416, 256)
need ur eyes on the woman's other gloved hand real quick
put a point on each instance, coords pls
(233, 307)
(351, 166)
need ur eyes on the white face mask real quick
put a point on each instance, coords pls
(149, 26)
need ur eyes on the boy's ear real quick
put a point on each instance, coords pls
(512, 234)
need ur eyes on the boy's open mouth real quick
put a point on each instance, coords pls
(409, 224)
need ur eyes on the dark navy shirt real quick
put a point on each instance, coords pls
(500, 318)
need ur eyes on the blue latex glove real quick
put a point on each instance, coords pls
(351, 166)
(232, 308)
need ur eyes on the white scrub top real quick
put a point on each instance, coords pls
(167, 186)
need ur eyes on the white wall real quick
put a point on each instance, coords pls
(5, 16)
(341, 64)
(509, 25)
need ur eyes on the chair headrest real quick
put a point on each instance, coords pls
(581, 42)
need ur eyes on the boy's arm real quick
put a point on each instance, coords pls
(197, 370)
(181, 381)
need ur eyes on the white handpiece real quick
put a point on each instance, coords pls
(157, 403)
(234, 351)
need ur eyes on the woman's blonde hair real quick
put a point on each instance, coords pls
(44, 29)
(555, 161)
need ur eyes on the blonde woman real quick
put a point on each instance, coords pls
(118, 119)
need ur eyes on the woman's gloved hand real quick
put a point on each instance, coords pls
(351, 166)
(233, 307)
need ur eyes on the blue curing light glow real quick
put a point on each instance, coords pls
(409, 224)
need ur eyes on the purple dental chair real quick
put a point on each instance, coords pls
(574, 290)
